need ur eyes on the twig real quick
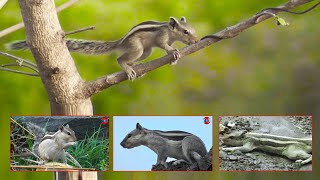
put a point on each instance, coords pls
(30, 160)
(19, 60)
(34, 154)
(291, 12)
(72, 159)
(80, 30)
(18, 72)
(21, 25)
(20, 65)
(11, 119)
(66, 5)
(95, 86)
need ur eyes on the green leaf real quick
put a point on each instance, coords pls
(281, 21)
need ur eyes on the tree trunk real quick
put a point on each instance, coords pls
(57, 70)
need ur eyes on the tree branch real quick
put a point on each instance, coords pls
(21, 63)
(95, 86)
(18, 60)
(80, 30)
(2, 3)
(21, 25)
(17, 71)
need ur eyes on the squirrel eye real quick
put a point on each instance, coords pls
(186, 32)
(129, 135)
(69, 134)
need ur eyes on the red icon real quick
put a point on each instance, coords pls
(105, 120)
(206, 120)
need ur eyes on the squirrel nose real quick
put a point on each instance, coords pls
(122, 144)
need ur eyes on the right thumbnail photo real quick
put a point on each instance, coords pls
(265, 143)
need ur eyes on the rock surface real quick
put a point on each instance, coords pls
(206, 165)
(82, 125)
(291, 126)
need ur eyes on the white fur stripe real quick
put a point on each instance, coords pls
(171, 134)
(279, 138)
(141, 27)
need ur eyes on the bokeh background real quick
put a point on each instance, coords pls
(266, 70)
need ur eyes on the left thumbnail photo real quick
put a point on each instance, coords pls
(59, 143)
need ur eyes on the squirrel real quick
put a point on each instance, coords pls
(137, 44)
(183, 146)
(52, 146)
(297, 149)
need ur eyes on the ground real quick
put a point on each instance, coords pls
(291, 126)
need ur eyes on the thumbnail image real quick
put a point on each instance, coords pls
(265, 143)
(59, 143)
(162, 143)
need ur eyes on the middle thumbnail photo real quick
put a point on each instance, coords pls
(162, 143)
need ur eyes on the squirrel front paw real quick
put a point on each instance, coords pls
(227, 149)
(301, 162)
(131, 73)
(74, 143)
(176, 55)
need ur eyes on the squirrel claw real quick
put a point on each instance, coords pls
(132, 75)
(176, 55)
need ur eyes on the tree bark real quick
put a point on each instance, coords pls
(57, 70)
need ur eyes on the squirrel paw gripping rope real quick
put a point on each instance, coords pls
(137, 44)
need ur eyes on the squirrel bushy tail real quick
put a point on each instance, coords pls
(76, 45)
(18, 45)
(91, 47)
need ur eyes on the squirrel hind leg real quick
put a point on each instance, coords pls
(128, 59)
(193, 148)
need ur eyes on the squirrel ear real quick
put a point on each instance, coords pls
(173, 23)
(138, 126)
(62, 127)
(183, 19)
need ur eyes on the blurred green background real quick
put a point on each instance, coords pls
(266, 70)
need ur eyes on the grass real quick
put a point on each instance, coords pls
(92, 152)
